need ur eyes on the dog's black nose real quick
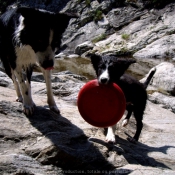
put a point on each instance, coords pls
(103, 80)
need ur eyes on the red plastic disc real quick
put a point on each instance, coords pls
(101, 105)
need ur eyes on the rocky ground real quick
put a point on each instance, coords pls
(47, 143)
(51, 144)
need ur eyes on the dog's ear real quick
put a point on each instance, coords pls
(61, 21)
(121, 65)
(27, 12)
(125, 63)
(95, 59)
(129, 62)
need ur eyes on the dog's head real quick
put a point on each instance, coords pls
(109, 68)
(42, 31)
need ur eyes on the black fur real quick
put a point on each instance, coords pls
(135, 92)
(35, 33)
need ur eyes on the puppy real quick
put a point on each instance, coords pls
(27, 37)
(111, 69)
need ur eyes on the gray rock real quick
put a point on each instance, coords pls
(72, 38)
(4, 82)
(161, 48)
(149, 34)
(23, 164)
(165, 101)
(162, 86)
(163, 79)
(77, 65)
(120, 17)
(81, 48)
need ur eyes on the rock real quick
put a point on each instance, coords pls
(73, 38)
(23, 164)
(165, 101)
(2, 74)
(4, 82)
(77, 65)
(162, 86)
(54, 6)
(48, 143)
(161, 48)
(120, 17)
(81, 48)
(163, 79)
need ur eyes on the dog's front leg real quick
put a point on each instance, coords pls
(25, 88)
(110, 137)
(50, 98)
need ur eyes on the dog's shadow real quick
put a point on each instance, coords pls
(71, 149)
(135, 153)
(77, 148)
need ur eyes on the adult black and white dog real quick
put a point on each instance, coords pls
(30, 36)
(111, 69)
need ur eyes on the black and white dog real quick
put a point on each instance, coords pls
(27, 37)
(111, 69)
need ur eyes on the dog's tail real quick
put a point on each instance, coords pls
(147, 81)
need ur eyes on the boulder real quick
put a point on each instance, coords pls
(163, 79)
(161, 48)
(81, 48)
(165, 101)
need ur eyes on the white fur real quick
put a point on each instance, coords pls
(25, 56)
(16, 38)
(50, 98)
(105, 74)
(125, 122)
(110, 137)
(25, 88)
(16, 85)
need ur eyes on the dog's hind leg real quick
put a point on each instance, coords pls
(139, 125)
(129, 108)
(9, 71)
(50, 98)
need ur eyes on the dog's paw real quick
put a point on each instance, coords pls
(19, 99)
(132, 140)
(54, 109)
(125, 122)
(110, 138)
(29, 109)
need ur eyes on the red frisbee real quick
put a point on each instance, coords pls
(101, 105)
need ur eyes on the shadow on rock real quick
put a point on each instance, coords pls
(69, 147)
(134, 153)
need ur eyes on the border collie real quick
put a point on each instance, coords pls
(30, 36)
(111, 69)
